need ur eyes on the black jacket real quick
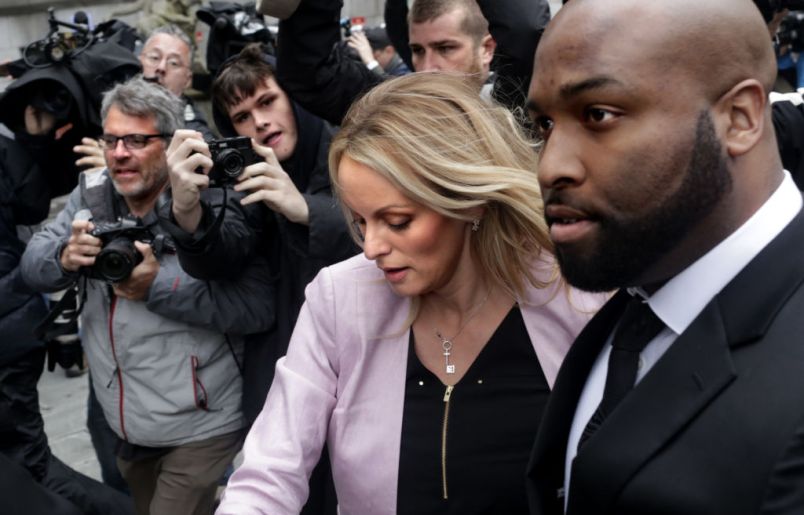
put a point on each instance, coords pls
(716, 426)
(194, 119)
(24, 200)
(316, 71)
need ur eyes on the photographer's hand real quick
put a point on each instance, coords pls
(360, 43)
(81, 248)
(188, 152)
(138, 284)
(268, 182)
(92, 155)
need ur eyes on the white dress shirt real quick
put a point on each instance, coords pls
(683, 297)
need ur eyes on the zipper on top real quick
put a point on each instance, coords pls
(121, 400)
(444, 424)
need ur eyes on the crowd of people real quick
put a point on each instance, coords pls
(553, 270)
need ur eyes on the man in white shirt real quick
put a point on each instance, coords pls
(661, 177)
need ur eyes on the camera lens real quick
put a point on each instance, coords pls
(231, 162)
(116, 260)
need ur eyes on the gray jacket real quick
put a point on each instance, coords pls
(165, 370)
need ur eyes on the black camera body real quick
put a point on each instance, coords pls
(230, 156)
(118, 255)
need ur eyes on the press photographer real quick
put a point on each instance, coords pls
(164, 349)
(46, 111)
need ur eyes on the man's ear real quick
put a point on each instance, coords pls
(487, 48)
(742, 113)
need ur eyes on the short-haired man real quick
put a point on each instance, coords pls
(164, 349)
(685, 393)
(167, 58)
(449, 35)
(444, 36)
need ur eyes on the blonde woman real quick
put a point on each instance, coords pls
(426, 362)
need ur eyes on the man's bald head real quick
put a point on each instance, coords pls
(718, 42)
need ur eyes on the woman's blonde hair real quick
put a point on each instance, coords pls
(433, 137)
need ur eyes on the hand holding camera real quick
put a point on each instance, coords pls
(269, 183)
(119, 253)
(81, 248)
(138, 283)
(187, 154)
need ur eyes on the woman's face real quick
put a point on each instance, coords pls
(418, 249)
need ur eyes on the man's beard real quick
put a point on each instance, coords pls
(628, 246)
(475, 71)
(146, 188)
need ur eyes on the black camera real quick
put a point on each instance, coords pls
(230, 156)
(119, 256)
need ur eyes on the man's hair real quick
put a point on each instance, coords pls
(474, 24)
(144, 99)
(173, 30)
(441, 145)
(240, 76)
(377, 38)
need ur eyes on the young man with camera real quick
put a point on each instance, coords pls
(288, 202)
(165, 350)
(288, 198)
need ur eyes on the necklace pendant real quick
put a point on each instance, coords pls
(450, 369)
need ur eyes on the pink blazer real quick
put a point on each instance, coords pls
(343, 382)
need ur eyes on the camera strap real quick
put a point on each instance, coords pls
(49, 328)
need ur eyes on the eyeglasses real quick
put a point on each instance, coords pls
(154, 58)
(130, 141)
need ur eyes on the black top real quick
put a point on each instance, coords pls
(491, 422)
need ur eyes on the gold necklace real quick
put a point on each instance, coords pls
(446, 343)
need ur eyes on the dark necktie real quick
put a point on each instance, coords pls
(638, 326)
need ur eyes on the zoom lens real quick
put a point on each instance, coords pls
(116, 260)
(231, 162)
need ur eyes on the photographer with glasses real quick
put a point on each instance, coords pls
(164, 349)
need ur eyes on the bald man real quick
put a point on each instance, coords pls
(661, 178)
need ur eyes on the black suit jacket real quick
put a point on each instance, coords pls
(715, 427)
